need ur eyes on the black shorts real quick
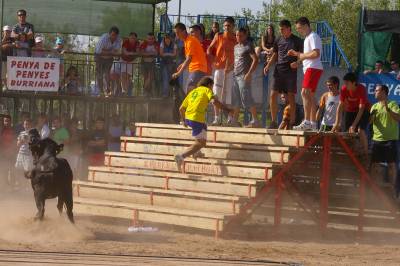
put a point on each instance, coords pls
(285, 79)
(384, 151)
(349, 118)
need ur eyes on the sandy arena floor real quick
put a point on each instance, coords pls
(93, 235)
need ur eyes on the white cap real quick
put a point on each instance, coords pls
(38, 39)
(6, 27)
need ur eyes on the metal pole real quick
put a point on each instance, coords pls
(1, 65)
(166, 17)
(179, 11)
(154, 18)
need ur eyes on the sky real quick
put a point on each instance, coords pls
(225, 7)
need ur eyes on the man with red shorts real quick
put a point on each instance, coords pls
(312, 68)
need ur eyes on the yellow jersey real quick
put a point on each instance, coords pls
(196, 103)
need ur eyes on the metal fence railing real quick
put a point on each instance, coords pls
(86, 74)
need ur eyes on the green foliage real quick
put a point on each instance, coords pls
(342, 15)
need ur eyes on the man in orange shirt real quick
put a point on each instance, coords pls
(195, 57)
(224, 44)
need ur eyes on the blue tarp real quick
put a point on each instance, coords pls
(371, 80)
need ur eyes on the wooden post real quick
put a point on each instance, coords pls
(324, 183)
(278, 201)
(216, 228)
(361, 206)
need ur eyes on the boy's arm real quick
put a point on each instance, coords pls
(321, 106)
(339, 112)
(283, 124)
(253, 66)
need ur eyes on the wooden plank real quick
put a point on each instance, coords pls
(228, 137)
(197, 168)
(174, 183)
(189, 159)
(227, 129)
(171, 201)
(209, 144)
(159, 191)
(165, 218)
(151, 208)
(147, 172)
(215, 153)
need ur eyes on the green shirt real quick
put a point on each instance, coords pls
(60, 135)
(384, 126)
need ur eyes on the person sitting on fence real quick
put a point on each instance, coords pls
(39, 50)
(42, 126)
(130, 130)
(379, 68)
(355, 104)
(245, 63)
(328, 104)
(266, 49)
(193, 114)
(168, 53)
(115, 131)
(7, 46)
(22, 45)
(97, 143)
(196, 60)
(23, 26)
(149, 50)
(124, 69)
(72, 81)
(394, 65)
(108, 46)
(385, 118)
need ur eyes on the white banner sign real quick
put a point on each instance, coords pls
(33, 74)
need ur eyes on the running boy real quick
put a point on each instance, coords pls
(328, 104)
(193, 114)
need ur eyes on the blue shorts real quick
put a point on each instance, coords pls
(199, 130)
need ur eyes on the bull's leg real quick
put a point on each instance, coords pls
(69, 203)
(60, 204)
(40, 201)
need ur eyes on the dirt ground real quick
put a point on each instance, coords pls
(97, 235)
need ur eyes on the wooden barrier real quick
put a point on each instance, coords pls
(174, 181)
(236, 174)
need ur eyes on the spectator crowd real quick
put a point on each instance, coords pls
(81, 148)
(230, 56)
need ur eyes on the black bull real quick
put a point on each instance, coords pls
(50, 177)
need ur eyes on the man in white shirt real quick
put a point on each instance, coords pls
(312, 68)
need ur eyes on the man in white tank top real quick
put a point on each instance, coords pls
(328, 104)
(312, 68)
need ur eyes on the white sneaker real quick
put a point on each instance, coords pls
(179, 161)
(303, 126)
(216, 122)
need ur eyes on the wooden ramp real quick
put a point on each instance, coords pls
(237, 175)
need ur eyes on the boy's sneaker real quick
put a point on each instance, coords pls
(273, 125)
(216, 122)
(304, 126)
(179, 161)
